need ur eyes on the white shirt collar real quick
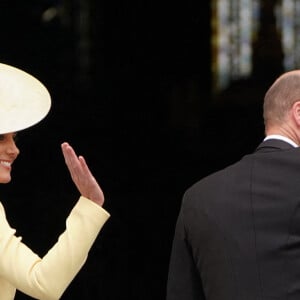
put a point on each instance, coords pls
(281, 137)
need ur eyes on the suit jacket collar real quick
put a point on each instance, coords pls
(274, 145)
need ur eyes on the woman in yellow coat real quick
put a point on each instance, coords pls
(24, 101)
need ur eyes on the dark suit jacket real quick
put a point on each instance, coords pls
(238, 231)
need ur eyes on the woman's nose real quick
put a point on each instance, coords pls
(12, 148)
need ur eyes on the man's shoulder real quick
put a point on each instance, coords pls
(215, 181)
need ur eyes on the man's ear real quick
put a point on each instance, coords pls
(296, 112)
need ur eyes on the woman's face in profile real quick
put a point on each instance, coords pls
(8, 153)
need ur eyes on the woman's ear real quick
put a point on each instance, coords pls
(296, 112)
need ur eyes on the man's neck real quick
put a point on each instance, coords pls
(282, 138)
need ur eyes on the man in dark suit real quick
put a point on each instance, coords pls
(237, 235)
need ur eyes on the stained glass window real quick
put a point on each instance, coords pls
(288, 16)
(235, 24)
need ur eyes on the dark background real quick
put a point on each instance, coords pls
(132, 93)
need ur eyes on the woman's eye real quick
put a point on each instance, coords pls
(4, 136)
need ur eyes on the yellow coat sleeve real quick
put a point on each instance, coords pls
(47, 278)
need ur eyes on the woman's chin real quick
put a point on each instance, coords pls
(5, 180)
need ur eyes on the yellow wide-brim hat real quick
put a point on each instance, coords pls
(24, 100)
